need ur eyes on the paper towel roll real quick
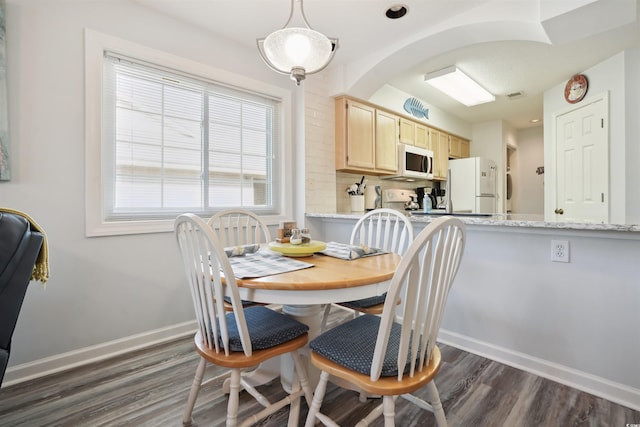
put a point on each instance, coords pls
(370, 197)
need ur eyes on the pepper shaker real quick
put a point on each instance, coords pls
(305, 235)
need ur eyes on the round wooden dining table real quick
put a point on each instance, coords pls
(303, 293)
(329, 280)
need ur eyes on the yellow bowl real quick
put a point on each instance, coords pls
(302, 250)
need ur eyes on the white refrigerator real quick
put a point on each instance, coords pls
(473, 185)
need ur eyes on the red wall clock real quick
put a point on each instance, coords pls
(576, 88)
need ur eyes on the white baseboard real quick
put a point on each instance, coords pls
(614, 392)
(601, 387)
(60, 362)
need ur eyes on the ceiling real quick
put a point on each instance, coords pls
(508, 46)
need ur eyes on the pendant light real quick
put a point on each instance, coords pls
(297, 51)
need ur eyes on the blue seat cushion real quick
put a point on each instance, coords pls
(352, 345)
(366, 302)
(267, 328)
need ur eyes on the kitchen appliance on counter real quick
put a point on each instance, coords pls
(412, 205)
(400, 199)
(473, 185)
(440, 195)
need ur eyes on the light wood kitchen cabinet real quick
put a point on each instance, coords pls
(366, 138)
(386, 143)
(454, 146)
(458, 147)
(355, 133)
(465, 149)
(440, 146)
(421, 136)
(407, 131)
(413, 133)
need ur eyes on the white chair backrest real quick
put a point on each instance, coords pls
(386, 229)
(206, 264)
(239, 227)
(422, 280)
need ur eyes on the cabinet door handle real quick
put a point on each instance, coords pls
(559, 211)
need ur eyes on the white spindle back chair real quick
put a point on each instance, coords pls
(383, 228)
(423, 280)
(386, 229)
(227, 339)
(237, 227)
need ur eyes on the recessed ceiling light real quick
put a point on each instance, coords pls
(535, 120)
(396, 11)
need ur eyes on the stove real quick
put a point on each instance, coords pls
(398, 199)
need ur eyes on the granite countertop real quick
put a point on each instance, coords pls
(506, 220)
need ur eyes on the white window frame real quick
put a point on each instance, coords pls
(95, 46)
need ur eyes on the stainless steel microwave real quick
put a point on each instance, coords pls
(414, 164)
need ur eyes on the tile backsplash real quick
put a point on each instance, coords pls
(344, 180)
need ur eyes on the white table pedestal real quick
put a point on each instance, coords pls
(282, 366)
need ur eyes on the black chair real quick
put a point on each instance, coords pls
(19, 249)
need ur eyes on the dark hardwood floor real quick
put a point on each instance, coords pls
(149, 388)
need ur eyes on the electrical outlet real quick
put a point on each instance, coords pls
(560, 250)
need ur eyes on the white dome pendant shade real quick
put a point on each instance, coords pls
(298, 47)
(297, 51)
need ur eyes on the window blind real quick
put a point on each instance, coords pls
(177, 143)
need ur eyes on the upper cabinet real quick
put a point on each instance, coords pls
(386, 143)
(407, 131)
(439, 142)
(355, 131)
(422, 136)
(413, 133)
(445, 147)
(458, 147)
(366, 138)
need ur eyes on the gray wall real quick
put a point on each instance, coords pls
(575, 323)
(106, 288)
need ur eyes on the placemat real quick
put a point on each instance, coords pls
(261, 264)
(348, 252)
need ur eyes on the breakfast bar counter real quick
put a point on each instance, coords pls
(574, 322)
(502, 220)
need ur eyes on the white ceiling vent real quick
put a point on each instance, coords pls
(515, 95)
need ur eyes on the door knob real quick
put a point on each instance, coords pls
(559, 211)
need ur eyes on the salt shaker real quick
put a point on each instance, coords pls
(295, 238)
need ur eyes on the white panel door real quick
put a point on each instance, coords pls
(582, 170)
